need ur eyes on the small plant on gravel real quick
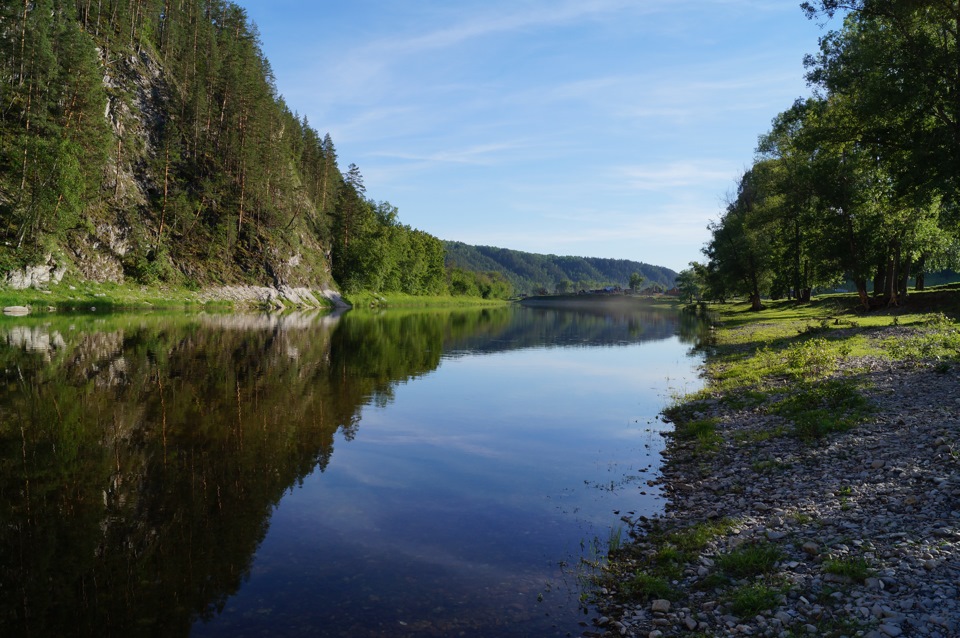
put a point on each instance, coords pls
(939, 337)
(811, 359)
(695, 538)
(684, 408)
(802, 518)
(752, 559)
(856, 568)
(767, 466)
(819, 409)
(669, 561)
(750, 600)
(644, 586)
(702, 431)
(744, 399)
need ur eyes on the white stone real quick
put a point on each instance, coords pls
(660, 605)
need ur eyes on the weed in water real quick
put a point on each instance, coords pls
(615, 540)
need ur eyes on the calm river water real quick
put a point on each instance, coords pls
(403, 474)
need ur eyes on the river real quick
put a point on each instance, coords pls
(446, 473)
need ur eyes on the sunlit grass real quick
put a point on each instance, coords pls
(364, 300)
(85, 295)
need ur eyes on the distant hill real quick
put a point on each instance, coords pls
(530, 271)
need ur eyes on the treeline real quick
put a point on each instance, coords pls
(533, 273)
(146, 139)
(860, 182)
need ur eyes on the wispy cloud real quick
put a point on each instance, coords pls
(481, 154)
(495, 21)
(672, 175)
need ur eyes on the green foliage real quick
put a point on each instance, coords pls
(701, 431)
(859, 182)
(532, 273)
(695, 538)
(643, 586)
(819, 409)
(856, 568)
(215, 180)
(487, 285)
(748, 560)
(938, 337)
(811, 359)
(750, 600)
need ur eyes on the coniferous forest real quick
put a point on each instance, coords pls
(857, 183)
(145, 140)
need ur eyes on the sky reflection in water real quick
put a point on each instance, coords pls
(468, 496)
(410, 474)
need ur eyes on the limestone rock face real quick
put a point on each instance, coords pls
(38, 276)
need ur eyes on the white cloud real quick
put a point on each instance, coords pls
(678, 174)
(481, 154)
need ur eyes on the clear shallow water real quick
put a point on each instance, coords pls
(410, 474)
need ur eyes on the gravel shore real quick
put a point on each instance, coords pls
(864, 524)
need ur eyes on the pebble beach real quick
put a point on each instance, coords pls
(863, 525)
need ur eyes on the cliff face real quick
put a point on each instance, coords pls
(145, 141)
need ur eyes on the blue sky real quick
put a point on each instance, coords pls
(602, 128)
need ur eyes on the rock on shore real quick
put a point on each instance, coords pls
(885, 495)
(276, 298)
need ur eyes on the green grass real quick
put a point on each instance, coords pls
(694, 539)
(856, 568)
(73, 295)
(399, 300)
(643, 586)
(797, 366)
(819, 409)
(752, 559)
(106, 296)
(750, 600)
(703, 432)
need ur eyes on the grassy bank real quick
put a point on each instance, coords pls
(810, 419)
(399, 300)
(84, 296)
(105, 296)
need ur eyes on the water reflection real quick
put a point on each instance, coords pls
(142, 458)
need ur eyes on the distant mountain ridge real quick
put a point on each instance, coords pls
(529, 272)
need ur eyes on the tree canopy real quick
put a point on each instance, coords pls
(859, 182)
(146, 139)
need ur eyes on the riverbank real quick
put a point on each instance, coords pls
(813, 487)
(87, 296)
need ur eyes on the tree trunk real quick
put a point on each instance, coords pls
(166, 182)
(890, 290)
(921, 268)
(23, 40)
(880, 279)
(861, 284)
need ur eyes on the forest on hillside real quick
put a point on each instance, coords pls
(532, 273)
(859, 182)
(146, 140)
